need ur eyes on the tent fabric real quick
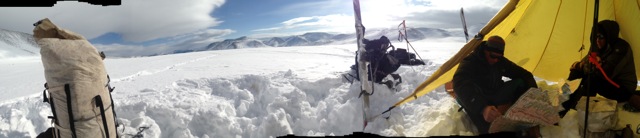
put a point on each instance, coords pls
(544, 37)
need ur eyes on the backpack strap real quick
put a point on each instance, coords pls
(109, 85)
(100, 104)
(113, 107)
(49, 100)
(67, 90)
(44, 93)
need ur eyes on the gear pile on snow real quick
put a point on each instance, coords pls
(385, 59)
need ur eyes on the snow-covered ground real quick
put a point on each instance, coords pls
(258, 92)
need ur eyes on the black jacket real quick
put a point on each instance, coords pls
(475, 78)
(616, 61)
(477, 84)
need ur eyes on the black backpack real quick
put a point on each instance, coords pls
(385, 62)
(382, 63)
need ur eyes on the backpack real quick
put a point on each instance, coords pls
(77, 84)
(381, 62)
(384, 61)
(603, 116)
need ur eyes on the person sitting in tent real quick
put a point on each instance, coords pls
(615, 57)
(480, 87)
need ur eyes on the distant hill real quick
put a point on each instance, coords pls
(322, 38)
(17, 44)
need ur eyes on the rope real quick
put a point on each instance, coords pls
(594, 61)
(139, 134)
(402, 35)
(387, 117)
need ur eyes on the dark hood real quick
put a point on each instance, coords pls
(610, 30)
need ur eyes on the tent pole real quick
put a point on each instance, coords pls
(593, 40)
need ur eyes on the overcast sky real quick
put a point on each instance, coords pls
(158, 22)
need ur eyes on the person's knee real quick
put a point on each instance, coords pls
(479, 122)
(634, 101)
(516, 85)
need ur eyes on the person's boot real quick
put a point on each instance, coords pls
(634, 101)
(397, 78)
(563, 112)
(416, 62)
(569, 104)
(389, 84)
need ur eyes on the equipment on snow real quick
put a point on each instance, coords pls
(373, 63)
(384, 59)
(366, 87)
(464, 24)
(139, 134)
(77, 85)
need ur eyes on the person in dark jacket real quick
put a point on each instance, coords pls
(616, 59)
(480, 87)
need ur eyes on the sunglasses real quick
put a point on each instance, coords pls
(600, 36)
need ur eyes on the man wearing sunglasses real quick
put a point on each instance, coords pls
(615, 58)
(480, 87)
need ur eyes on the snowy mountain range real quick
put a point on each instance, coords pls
(322, 38)
(19, 44)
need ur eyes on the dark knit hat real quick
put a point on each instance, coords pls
(495, 44)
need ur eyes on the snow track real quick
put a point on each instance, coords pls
(152, 72)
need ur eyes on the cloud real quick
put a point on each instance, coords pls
(191, 41)
(388, 14)
(119, 50)
(456, 4)
(135, 20)
(315, 7)
(334, 23)
(201, 38)
(125, 51)
(298, 20)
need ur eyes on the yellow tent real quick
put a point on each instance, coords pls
(545, 36)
